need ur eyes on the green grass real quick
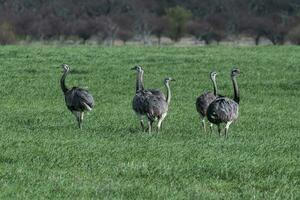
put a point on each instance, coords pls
(44, 155)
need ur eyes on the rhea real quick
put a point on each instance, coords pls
(205, 99)
(157, 106)
(77, 100)
(224, 109)
(139, 101)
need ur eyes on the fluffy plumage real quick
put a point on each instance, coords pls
(157, 93)
(151, 103)
(205, 99)
(203, 102)
(77, 100)
(157, 106)
(139, 102)
(224, 109)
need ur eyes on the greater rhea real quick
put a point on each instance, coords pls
(205, 99)
(139, 99)
(157, 106)
(224, 109)
(139, 102)
(78, 100)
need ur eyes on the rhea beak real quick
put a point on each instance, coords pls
(239, 73)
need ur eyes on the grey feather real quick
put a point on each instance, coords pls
(150, 102)
(78, 100)
(142, 99)
(156, 92)
(156, 107)
(222, 110)
(139, 102)
(203, 101)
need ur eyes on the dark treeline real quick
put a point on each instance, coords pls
(107, 20)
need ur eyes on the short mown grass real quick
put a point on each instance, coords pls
(44, 155)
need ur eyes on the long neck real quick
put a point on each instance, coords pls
(168, 93)
(140, 81)
(215, 86)
(236, 97)
(62, 82)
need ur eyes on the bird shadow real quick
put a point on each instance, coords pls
(134, 130)
(79, 71)
(6, 160)
(290, 86)
(33, 71)
(139, 131)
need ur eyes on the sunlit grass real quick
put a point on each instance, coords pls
(44, 155)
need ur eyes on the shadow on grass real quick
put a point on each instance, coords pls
(32, 71)
(36, 71)
(6, 160)
(290, 86)
(79, 71)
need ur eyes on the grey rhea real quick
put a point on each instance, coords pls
(140, 99)
(224, 109)
(157, 106)
(203, 101)
(78, 100)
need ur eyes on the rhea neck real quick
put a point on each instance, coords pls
(168, 92)
(213, 79)
(140, 81)
(62, 81)
(236, 97)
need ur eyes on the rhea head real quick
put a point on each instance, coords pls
(137, 68)
(213, 75)
(65, 67)
(167, 80)
(235, 71)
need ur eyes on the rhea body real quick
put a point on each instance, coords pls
(205, 99)
(224, 109)
(157, 106)
(77, 100)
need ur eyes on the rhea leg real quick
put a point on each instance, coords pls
(142, 124)
(211, 127)
(77, 115)
(226, 128)
(141, 121)
(150, 122)
(159, 123)
(219, 129)
(203, 123)
(81, 119)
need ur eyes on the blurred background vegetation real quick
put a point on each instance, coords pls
(106, 21)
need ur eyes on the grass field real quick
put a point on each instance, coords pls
(44, 155)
